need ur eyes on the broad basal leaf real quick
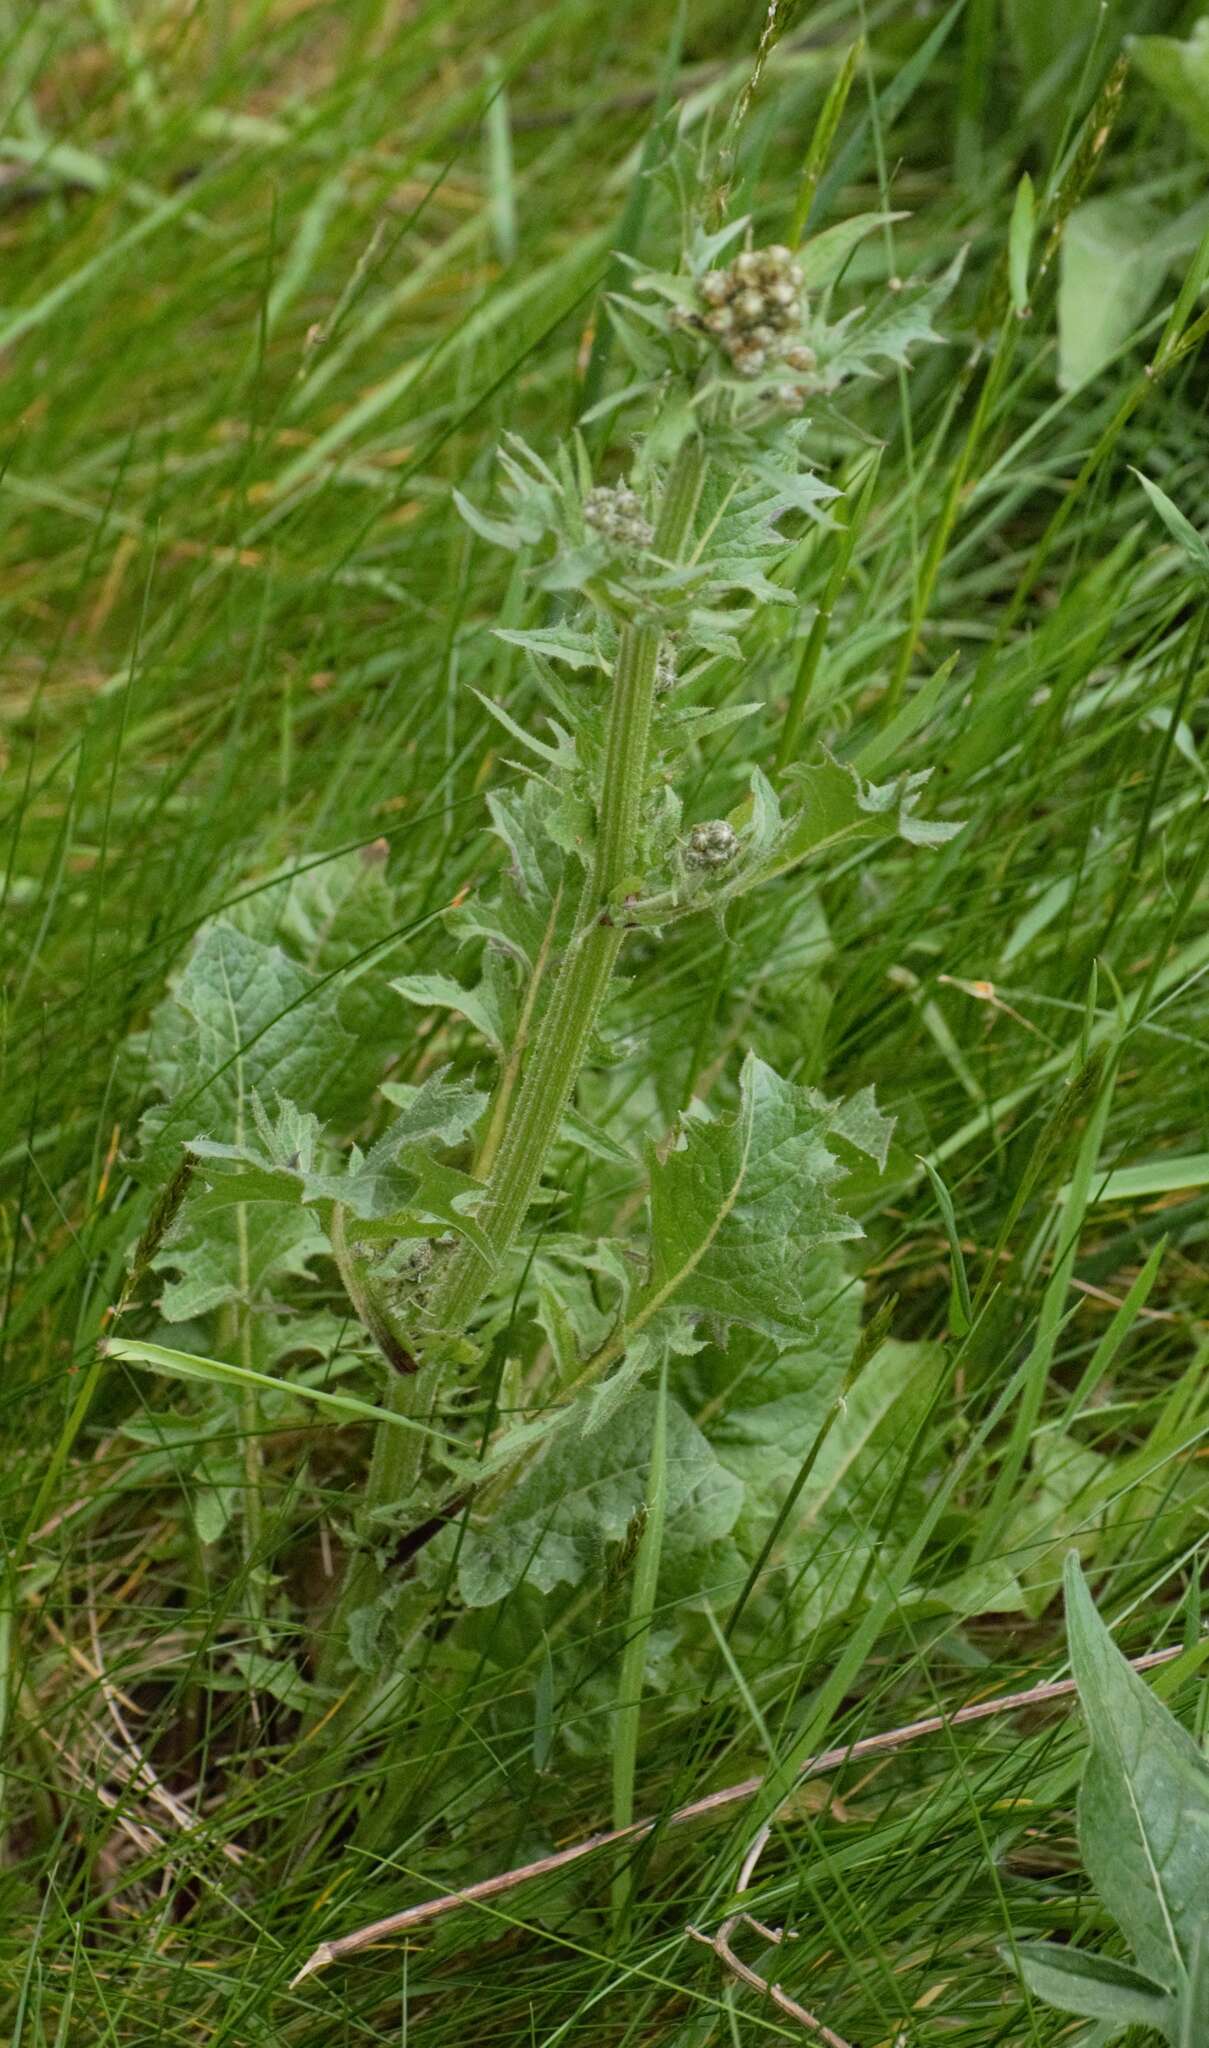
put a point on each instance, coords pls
(324, 913)
(1095, 1987)
(740, 1203)
(242, 1018)
(582, 1494)
(1144, 1802)
(237, 1257)
(339, 918)
(770, 1401)
(841, 1518)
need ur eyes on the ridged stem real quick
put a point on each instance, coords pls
(587, 968)
(557, 1054)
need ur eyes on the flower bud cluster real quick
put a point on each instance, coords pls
(616, 513)
(753, 308)
(712, 844)
(667, 672)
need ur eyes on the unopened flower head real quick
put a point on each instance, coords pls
(616, 513)
(804, 360)
(753, 307)
(712, 844)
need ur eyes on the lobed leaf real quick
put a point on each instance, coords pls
(582, 1493)
(740, 1203)
(886, 334)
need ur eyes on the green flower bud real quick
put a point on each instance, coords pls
(617, 514)
(712, 845)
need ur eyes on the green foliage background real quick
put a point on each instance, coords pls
(278, 278)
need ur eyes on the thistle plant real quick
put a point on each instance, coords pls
(649, 587)
(678, 559)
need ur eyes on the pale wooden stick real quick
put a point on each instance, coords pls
(697, 1809)
(721, 1945)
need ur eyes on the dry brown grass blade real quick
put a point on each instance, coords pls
(698, 1809)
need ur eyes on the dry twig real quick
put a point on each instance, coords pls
(697, 1809)
(721, 1945)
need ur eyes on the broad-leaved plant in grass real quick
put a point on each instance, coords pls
(607, 1304)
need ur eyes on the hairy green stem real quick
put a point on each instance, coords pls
(558, 1056)
(506, 1087)
(587, 968)
(561, 1042)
